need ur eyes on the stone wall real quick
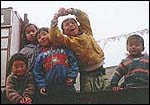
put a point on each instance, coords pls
(109, 74)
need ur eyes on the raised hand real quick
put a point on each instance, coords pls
(62, 12)
(69, 10)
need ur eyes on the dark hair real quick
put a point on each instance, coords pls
(29, 24)
(42, 29)
(138, 37)
(24, 33)
(17, 56)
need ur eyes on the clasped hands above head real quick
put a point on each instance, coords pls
(62, 12)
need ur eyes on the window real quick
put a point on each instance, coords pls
(3, 68)
(2, 18)
(4, 43)
(4, 32)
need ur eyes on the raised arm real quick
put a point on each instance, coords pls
(81, 17)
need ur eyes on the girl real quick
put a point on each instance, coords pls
(30, 48)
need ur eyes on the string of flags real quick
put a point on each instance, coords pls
(140, 32)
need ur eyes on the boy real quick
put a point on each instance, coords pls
(80, 40)
(55, 69)
(134, 68)
(20, 83)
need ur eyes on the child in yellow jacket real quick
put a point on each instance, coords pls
(80, 39)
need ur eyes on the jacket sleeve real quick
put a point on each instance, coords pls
(38, 72)
(84, 21)
(30, 88)
(73, 65)
(26, 52)
(56, 36)
(11, 93)
(118, 74)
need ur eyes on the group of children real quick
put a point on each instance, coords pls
(49, 63)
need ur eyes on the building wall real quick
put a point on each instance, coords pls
(15, 34)
(11, 25)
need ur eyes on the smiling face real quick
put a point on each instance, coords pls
(19, 67)
(135, 47)
(70, 27)
(43, 39)
(31, 33)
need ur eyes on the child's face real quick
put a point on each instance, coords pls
(43, 39)
(135, 47)
(70, 28)
(19, 67)
(31, 33)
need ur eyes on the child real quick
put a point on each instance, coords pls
(134, 68)
(80, 40)
(30, 49)
(20, 83)
(55, 69)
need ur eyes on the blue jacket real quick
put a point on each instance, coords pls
(53, 66)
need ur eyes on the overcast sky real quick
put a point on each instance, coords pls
(108, 18)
